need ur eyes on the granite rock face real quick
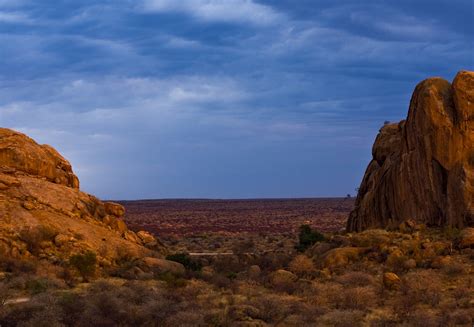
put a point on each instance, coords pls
(20, 153)
(40, 202)
(423, 167)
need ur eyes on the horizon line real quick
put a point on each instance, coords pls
(233, 199)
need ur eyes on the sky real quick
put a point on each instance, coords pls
(221, 98)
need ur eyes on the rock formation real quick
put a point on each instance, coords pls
(44, 214)
(423, 167)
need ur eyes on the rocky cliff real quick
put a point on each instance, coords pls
(423, 167)
(44, 214)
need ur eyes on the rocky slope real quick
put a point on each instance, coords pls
(423, 167)
(44, 214)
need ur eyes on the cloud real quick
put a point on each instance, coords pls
(224, 11)
(155, 128)
(158, 101)
(12, 17)
(12, 3)
(182, 43)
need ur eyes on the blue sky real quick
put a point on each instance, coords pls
(221, 99)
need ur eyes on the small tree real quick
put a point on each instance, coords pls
(84, 263)
(308, 237)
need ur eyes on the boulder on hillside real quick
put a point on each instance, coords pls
(422, 169)
(20, 153)
(391, 281)
(161, 266)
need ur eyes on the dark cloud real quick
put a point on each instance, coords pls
(196, 98)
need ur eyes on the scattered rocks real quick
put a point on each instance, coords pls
(131, 236)
(114, 209)
(146, 237)
(391, 281)
(61, 239)
(119, 225)
(29, 205)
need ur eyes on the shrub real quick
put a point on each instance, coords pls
(356, 278)
(307, 237)
(72, 306)
(84, 263)
(422, 287)
(243, 247)
(357, 298)
(172, 280)
(37, 286)
(185, 260)
(220, 281)
(271, 308)
(226, 264)
(302, 266)
(342, 318)
(33, 237)
(17, 266)
(451, 233)
(124, 256)
(454, 269)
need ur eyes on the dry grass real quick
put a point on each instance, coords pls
(223, 294)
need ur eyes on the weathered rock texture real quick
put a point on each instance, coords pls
(43, 213)
(423, 167)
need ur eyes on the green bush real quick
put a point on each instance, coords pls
(171, 280)
(185, 260)
(84, 263)
(307, 237)
(37, 286)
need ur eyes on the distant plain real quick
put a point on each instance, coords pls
(185, 217)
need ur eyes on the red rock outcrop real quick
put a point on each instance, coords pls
(21, 153)
(423, 167)
(40, 196)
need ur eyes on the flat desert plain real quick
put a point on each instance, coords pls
(270, 216)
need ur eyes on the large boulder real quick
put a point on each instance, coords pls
(41, 204)
(21, 153)
(161, 266)
(423, 168)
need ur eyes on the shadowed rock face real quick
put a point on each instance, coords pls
(423, 167)
(39, 191)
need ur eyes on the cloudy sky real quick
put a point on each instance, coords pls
(221, 98)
